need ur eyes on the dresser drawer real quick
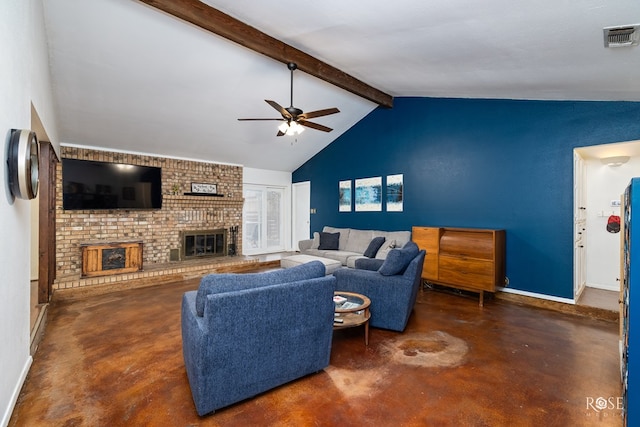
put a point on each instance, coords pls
(470, 273)
(467, 243)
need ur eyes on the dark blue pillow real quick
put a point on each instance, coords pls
(398, 260)
(375, 244)
(329, 241)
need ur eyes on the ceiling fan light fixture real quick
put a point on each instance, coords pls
(296, 128)
(291, 128)
(294, 116)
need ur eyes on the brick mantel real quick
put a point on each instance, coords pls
(170, 200)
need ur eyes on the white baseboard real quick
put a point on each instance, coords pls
(16, 392)
(536, 295)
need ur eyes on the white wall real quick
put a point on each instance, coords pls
(44, 118)
(276, 179)
(604, 184)
(24, 59)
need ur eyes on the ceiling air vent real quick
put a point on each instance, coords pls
(621, 36)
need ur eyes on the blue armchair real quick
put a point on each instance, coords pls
(243, 334)
(392, 285)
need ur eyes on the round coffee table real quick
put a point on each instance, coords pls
(351, 310)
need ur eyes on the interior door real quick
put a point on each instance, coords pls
(301, 197)
(579, 226)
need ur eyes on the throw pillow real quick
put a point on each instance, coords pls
(385, 249)
(398, 260)
(373, 247)
(316, 240)
(329, 241)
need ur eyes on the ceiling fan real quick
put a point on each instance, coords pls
(294, 118)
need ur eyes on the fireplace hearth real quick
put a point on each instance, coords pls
(203, 243)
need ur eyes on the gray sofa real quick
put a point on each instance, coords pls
(353, 243)
(243, 334)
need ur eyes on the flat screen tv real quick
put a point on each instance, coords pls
(88, 185)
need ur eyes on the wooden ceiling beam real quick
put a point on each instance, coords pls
(217, 22)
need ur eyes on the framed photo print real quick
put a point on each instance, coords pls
(394, 193)
(203, 188)
(344, 189)
(369, 194)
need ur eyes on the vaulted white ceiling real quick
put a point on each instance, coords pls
(128, 77)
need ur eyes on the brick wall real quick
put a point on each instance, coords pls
(160, 229)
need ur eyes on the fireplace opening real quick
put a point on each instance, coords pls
(203, 243)
(113, 258)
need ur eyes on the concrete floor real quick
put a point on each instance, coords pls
(593, 297)
(115, 360)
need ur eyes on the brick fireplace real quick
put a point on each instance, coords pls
(162, 230)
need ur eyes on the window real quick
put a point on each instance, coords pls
(263, 215)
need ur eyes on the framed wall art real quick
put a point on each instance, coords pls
(204, 188)
(368, 194)
(344, 188)
(394, 193)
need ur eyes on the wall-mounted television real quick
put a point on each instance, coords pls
(89, 185)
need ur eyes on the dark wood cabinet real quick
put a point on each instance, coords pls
(471, 259)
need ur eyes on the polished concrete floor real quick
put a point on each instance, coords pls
(601, 298)
(115, 360)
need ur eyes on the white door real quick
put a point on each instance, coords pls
(579, 226)
(263, 215)
(301, 198)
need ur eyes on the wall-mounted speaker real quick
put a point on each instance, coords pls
(22, 163)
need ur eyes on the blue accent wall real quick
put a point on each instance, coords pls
(481, 163)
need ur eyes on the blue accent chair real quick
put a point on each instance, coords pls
(244, 334)
(392, 285)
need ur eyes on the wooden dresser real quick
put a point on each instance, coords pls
(471, 259)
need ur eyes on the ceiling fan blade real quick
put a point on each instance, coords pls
(319, 113)
(315, 126)
(245, 120)
(279, 108)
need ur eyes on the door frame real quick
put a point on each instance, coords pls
(579, 226)
(47, 221)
